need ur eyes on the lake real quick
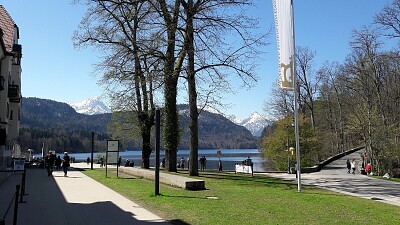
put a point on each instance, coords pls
(229, 157)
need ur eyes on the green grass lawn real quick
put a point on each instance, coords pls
(242, 199)
(391, 179)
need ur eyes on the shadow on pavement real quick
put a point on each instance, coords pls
(46, 205)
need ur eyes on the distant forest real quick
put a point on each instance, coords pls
(61, 128)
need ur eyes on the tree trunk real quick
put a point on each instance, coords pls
(172, 69)
(146, 149)
(147, 121)
(171, 127)
(193, 124)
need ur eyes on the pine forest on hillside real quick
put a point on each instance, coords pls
(62, 129)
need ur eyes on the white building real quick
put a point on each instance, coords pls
(10, 88)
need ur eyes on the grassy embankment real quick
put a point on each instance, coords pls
(391, 179)
(242, 199)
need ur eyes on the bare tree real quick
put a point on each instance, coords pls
(308, 81)
(173, 58)
(389, 19)
(210, 59)
(190, 36)
(121, 28)
(332, 98)
(280, 103)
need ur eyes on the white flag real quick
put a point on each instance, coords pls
(283, 12)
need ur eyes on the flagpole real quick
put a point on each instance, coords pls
(296, 106)
(284, 23)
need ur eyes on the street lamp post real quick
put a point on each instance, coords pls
(30, 154)
(288, 149)
(288, 152)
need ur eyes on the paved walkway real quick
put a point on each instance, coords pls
(79, 200)
(335, 177)
(73, 200)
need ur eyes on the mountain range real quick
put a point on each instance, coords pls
(62, 128)
(255, 123)
(91, 106)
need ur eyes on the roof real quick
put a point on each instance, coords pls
(7, 25)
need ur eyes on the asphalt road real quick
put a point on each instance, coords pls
(334, 177)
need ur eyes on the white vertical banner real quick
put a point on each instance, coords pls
(284, 24)
(283, 14)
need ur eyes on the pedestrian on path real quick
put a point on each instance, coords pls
(50, 159)
(101, 161)
(203, 161)
(348, 165)
(65, 164)
(58, 163)
(119, 161)
(182, 162)
(353, 166)
(368, 168)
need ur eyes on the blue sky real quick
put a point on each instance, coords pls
(53, 69)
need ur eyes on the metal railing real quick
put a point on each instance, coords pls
(17, 197)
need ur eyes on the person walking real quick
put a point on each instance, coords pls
(65, 164)
(119, 161)
(348, 165)
(58, 163)
(368, 168)
(353, 166)
(50, 159)
(163, 163)
(182, 162)
(101, 161)
(203, 161)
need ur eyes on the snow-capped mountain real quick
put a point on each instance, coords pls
(255, 123)
(91, 106)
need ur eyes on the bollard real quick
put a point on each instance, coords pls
(16, 205)
(20, 195)
(23, 182)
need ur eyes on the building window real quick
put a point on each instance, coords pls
(11, 114)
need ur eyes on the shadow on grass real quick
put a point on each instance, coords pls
(178, 222)
(185, 196)
(245, 179)
(129, 178)
(322, 192)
